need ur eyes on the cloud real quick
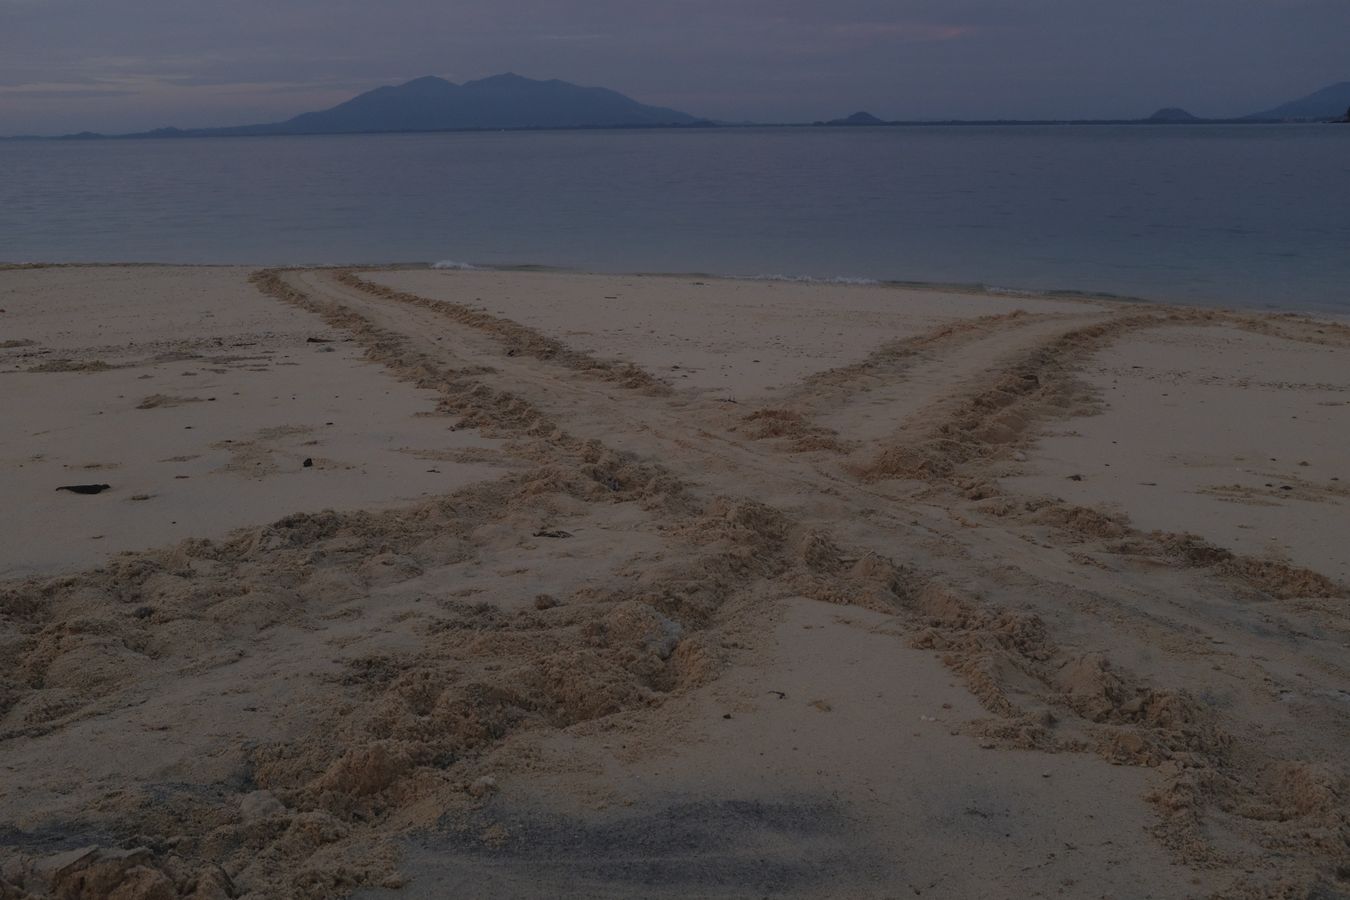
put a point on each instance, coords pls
(899, 32)
(60, 92)
(591, 36)
(144, 63)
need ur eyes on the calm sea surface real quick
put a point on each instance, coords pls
(1249, 215)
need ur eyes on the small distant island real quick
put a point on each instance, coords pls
(1320, 106)
(1173, 114)
(857, 119)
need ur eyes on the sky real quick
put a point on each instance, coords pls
(128, 65)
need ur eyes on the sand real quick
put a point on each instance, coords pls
(655, 586)
(199, 401)
(1180, 404)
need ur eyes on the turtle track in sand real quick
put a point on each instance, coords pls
(390, 738)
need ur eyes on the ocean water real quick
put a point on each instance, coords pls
(1246, 215)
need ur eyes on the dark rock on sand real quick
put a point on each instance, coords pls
(85, 488)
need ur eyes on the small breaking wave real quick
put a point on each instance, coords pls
(453, 264)
(1000, 291)
(1069, 293)
(808, 279)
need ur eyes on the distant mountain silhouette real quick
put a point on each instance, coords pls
(434, 104)
(1328, 103)
(858, 118)
(511, 101)
(1172, 114)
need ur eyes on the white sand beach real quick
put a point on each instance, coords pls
(422, 583)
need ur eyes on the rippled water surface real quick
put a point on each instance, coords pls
(1250, 215)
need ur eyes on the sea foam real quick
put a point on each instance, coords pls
(808, 279)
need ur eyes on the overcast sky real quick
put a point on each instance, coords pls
(122, 65)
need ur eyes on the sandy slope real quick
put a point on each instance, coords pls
(730, 338)
(1234, 435)
(818, 620)
(198, 401)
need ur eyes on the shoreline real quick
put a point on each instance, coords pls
(963, 288)
(704, 126)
